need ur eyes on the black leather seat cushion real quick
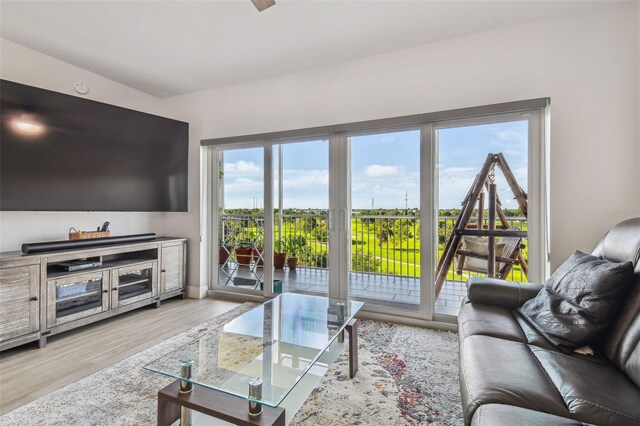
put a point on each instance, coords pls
(498, 371)
(495, 321)
(508, 415)
(593, 390)
(584, 388)
(486, 320)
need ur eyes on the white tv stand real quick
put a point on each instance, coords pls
(40, 299)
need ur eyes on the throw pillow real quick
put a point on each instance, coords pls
(578, 300)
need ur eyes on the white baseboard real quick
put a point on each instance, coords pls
(196, 292)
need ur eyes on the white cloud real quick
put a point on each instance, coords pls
(512, 135)
(388, 194)
(377, 170)
(247, 167)
(242, 185)
(245, 181)
(317, 179)
(455, 183)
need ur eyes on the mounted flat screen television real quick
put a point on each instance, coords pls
(65, 153)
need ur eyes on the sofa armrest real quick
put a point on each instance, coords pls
(507, 294)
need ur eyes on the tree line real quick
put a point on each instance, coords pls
(411, 212)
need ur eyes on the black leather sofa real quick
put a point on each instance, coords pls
(511, 375)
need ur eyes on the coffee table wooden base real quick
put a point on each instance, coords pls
(352, 331)
(213, 403)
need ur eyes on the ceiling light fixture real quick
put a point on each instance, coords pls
(263, 4)
(26, 125)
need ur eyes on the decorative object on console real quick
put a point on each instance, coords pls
(31, 248)
(74, 234)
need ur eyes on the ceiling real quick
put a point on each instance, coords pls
(167, 48)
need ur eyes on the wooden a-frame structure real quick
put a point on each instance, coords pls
(485, 181)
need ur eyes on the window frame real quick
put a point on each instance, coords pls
(536, 111)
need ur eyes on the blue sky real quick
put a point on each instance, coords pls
(385, 168)
(463, 150)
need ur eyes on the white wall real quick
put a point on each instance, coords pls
(587, 63)
(27, 66)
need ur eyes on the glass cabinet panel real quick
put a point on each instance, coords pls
(132, 283)
(78, 296)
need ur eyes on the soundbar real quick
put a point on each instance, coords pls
(31, 248)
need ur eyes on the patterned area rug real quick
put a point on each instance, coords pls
(407, 376)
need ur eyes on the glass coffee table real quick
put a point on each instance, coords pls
(246, 371)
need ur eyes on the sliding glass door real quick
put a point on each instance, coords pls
(272, 222)
(483, 181)
(399, 218)
(241, 219)
(384, 219)
(300, 227)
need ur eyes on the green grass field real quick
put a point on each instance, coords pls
(396, 256)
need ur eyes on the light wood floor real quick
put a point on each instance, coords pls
(26, 372)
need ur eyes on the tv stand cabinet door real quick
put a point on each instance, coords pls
(77, 296)
(20, 307)
(132, 284)
(172, 267)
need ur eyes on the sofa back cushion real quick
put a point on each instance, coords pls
(621, 342)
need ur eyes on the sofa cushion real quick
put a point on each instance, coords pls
(621, 342)
(626, 332)
(508, 415)
(592, 388)
(578, 300)
(632, 366)
(622, 242)
(497, 371)
(497, 292)
(476, 319)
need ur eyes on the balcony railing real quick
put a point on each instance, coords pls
(388, 245)
(380, 244)
(311, 226)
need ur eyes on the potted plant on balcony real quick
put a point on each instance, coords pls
(279, 255)
(244, 250)
(224, 251)
(294, 246)
(225, 248)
